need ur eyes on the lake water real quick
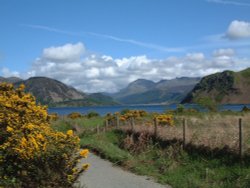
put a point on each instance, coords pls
(103, 110)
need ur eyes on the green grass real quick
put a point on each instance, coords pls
(64, 124)
(107, 146)
(172, 165)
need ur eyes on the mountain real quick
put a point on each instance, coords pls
(47, 90)
(10, 79)
(55, 93)
(226, 87)
(138, 86)
(147, 92)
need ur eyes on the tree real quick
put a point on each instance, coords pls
(207, 103)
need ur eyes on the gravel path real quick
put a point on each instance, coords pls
(102, 174)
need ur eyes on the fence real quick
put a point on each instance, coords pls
(229, 132)
(219, 134)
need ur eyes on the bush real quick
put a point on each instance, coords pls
(92, 114)
(32, 154)
(53, 116)
(74, 115)
(165, 119)
(245, 109)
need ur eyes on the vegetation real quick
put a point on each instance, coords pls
(207, 103)
(169, 164)
(166, 161)
(32, 154)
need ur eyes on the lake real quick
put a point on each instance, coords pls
(103, 110)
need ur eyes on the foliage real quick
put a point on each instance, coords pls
(207, 103)
(170, 164)
(53, 116)
(74, 115)
(180, 108)
(32, 154)
(165, 119)
(92, 114)
(133, 114)
(245, 109)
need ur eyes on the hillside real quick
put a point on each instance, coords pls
(227, 87)
(138, 86)
(55, 93)
(10, 79)
(147, 92)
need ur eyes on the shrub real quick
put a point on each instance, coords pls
(245, 109)
(53, 116)
(133, 114)
(92, 114)
(74, 115)
(165, 119)
(32, 154)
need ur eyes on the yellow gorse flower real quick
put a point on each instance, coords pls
(70, 133)
(84, 153)
(85, 166)
(9, 129)
(32, 139)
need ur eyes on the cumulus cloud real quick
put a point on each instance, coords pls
(67, 52)
(238, 29)
(74, 65)
(8, 73)
(195, 57)
(224, 52)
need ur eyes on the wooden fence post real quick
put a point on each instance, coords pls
(184, 123)
(155, 126)
(241, 149)
(106, 124)
(117, 121)
(97, 129)
(132, 123)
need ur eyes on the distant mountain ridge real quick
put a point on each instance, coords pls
(144, 91)
(55, 93)
(10, 79)
(226, 87)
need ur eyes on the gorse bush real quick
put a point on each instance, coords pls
(92, 114)
(32, 154)
(132, 114)
(74, 115)
(165, 119)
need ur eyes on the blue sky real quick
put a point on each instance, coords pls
(102, 45)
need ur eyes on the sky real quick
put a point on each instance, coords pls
(102, 45)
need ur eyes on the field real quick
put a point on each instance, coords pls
(210, 158)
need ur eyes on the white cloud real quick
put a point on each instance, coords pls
(238, 29)
(91, 72)
(69, 52)
(230, 2)
(195, 57)
(224, 52)
(8, 73)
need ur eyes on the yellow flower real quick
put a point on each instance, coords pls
(84, 153)
(85, 166)
(22, 87)
(70, 178)
(30, 126)
(74, 170)
(9, 129)
(70, 133)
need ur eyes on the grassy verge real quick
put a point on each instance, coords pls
(171, 165)
(106, 145)
(64, 124)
